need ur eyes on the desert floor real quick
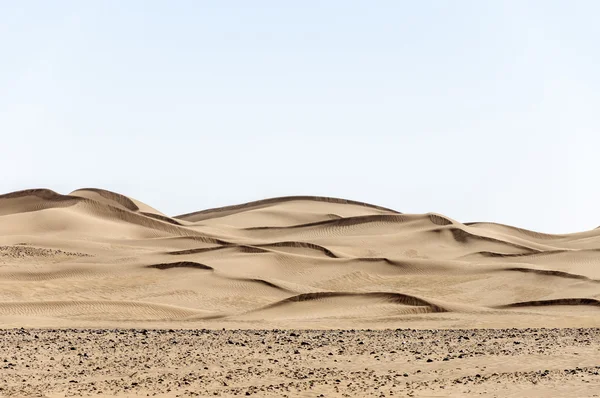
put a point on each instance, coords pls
(95, 261)
(301, 363)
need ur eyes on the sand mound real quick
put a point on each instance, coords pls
(555, 302)
(335, 305)
(181, 264)
(99, 257)
(544, 272)
(107, 197)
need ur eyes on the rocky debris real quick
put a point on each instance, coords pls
(24, 251)
(348, 363)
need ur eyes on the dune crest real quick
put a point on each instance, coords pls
(113, 260)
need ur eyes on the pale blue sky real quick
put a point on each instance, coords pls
(480, 110)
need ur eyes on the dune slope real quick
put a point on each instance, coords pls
(99, 258)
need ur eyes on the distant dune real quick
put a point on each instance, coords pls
(98, 258)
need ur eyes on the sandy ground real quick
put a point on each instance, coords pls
(301, 363)
(99, 260)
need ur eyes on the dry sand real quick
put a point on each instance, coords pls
(98, 259)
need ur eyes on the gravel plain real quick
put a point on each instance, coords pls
(300, 363)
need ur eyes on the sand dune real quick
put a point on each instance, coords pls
(99, 258)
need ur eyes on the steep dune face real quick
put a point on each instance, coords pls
(95, 257)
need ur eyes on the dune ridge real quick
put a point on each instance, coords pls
(180, 264)
(555, 302)
(99, 257)
(200, 215)
(395, 298)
